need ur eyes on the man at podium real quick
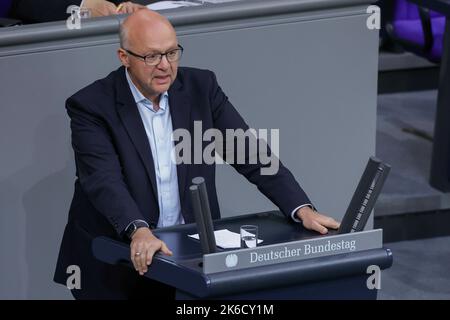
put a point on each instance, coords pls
(127, 182)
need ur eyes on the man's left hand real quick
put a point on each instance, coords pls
(313, 220)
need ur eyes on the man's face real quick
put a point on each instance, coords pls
(152, 80)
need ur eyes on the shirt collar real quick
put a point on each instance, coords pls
(140, 98)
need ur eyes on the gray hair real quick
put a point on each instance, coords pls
(123, 36)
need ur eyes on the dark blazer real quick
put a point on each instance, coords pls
(115, 172)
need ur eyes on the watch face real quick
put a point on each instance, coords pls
(134, 226)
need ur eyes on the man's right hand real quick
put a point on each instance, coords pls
(143, 246)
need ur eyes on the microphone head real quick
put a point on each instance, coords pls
(198, 180)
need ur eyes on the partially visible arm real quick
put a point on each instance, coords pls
(129, 7)
(100, 8)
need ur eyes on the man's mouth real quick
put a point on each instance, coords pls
(162, 79)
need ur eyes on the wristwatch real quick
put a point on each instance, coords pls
(133, 226)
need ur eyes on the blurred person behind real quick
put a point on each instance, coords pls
(36, 11)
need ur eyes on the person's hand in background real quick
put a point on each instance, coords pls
(129, 7)
(100, 8)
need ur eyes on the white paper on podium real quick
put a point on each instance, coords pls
(225, 239)
(164, 5)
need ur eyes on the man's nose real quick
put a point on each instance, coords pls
(164, 63)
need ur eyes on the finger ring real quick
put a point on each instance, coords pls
(119, 7)
(137, 254)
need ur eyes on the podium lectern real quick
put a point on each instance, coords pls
(341, 275)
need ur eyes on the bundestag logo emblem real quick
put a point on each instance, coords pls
(231, 260)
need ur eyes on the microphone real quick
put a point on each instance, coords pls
(202, 212)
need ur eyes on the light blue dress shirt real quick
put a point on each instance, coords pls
(158, 126)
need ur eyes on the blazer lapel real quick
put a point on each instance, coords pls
(129, 114)
(180, 111)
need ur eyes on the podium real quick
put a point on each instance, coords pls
(324, 276)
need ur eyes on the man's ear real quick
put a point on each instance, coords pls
(123, 57)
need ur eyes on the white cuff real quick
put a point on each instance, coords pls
(293, 213)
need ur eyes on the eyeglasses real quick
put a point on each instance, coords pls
(154, 59)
